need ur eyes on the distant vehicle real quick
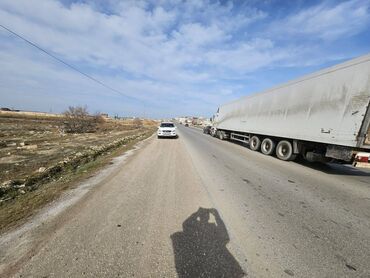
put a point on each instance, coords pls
(187, 125)
(207, 129)
(323, 117)
(167, 129)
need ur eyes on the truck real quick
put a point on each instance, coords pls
(323, 116)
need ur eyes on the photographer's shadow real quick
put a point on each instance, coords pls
(200, 249)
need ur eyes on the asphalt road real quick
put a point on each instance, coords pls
(200, 207)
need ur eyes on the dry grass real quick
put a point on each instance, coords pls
(16, 211)
(28, 143)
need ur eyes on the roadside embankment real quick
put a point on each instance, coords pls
(39, 161)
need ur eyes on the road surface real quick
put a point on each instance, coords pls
(201, 207)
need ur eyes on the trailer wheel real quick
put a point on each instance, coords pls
(268, 146)
(284, 151)
(255, 143)
(220, 135)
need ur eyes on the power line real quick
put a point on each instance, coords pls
(61, 61)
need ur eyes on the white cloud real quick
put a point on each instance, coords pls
(162, 52)
(135, 39)
(326, 21)
(197, 35)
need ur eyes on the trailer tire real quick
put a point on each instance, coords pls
(268, 146)
(220, 135)
(255, 143)
(284, 151)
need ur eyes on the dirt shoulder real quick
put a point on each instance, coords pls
(32, 177)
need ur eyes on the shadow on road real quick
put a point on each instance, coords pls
(327, 168)
(200, 249)
(334, 169)
(168, 137)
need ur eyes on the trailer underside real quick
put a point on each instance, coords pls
(311, 151)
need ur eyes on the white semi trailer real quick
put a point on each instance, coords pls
(321, 116)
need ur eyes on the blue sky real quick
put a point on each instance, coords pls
(169, 57)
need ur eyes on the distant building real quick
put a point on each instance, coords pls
(192, 120)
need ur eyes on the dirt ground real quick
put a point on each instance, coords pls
(39, 161)
(28, 144)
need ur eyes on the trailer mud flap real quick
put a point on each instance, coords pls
(297, 147)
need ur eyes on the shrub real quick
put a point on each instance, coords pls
(137, 122)
(78, 120)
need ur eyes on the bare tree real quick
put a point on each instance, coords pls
(78, 120)
(99, 118)
(137, 122)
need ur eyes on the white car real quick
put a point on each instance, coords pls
(166, 129)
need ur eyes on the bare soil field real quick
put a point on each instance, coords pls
(35, 150)
(29, 144)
